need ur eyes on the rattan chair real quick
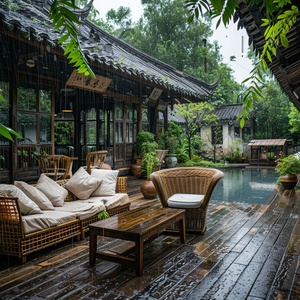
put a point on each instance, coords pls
(188, 180)
(95, 159)
(55, 166)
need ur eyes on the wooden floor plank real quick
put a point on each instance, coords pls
(249, 251)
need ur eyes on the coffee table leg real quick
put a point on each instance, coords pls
(181, 224)
(93, 247)
(139, 256)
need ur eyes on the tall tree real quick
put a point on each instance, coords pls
(279, 16)
(165, 34)
(272, 114)
(294, 117)
(195, 116)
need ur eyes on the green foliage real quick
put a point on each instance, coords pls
(279, 17)
(149, 162)
(195, 115)
(272, 119)
(171, 139)
(8, 133)
(294, 117)
(145, 142)
(65, 20)
(5, 131)
(103, 215)
(64, 133)
(23, 153)
(200, 163)
(164, 34)
(288, 165)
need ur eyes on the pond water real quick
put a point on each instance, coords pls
(250, 185)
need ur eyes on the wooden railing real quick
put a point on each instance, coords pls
(27, 155)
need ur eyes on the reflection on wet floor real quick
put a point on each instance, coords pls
(249, 251)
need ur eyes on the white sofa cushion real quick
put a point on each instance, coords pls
(27, 206)
(83, 209)
(49, 218)
(185, 200)
(82, 184)
(109, 182)
(35, 195)
(53, 191)
(111, 202)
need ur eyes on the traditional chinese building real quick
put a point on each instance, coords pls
(58, 111)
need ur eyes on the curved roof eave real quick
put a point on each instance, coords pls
(121, 55)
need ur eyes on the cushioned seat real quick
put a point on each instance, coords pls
(83, 209)
(185, 200)
(48, 219)
(198, 181)
(111, 202)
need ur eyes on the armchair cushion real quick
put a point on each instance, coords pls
(82, 184)
(185, 200)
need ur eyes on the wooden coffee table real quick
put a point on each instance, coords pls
(136, 225)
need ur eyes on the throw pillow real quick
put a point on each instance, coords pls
(82, 184)
(35, 195)
(109, 182)
(27, 206)
(53, 191)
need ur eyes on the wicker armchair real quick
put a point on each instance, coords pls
(96, 159)
(55, 166)
(188, 180)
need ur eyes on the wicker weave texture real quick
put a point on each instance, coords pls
(14, 242)
(188, 180)
(95, 159)
(55, 166)
(10, 226)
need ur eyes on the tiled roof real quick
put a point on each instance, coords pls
(228, 112)
(101, 47)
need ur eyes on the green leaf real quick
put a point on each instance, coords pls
(284, 40)
(103, 215)
(8, 133)
(242, 123)
(265, 22)
(269, 56)
(63, 39)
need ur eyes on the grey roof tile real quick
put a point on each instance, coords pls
(34, 20)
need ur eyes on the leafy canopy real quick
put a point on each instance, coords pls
(279, 17)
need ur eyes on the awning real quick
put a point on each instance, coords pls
(272, 142)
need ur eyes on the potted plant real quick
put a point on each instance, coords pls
(149, 163)
(172, 139)
(288, 167)
(143, 140)
(145, 143)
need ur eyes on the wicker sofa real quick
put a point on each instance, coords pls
(19, 239)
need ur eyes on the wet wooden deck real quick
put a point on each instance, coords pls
(248, 252)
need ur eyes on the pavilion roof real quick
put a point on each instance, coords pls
(270, 142)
